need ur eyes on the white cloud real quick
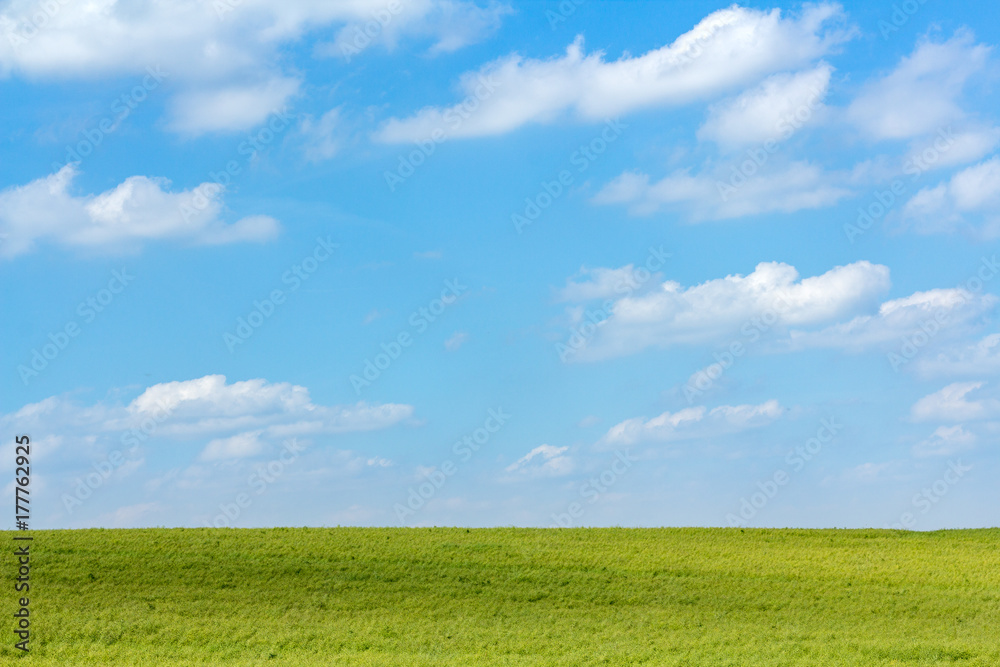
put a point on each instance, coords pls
(600, 283)
(919, 96)
(673, 314)
(969, 201)
(461, 24)
(691, 423)
(138, 210)
(822, 311)
(221, 55)
(729, 48)
(236, 418)
(543, 461)
(281, 410)
(373, 315)
(951, 405)
(771, 111)
(456, 340)
(323, 137)
(207, 40)
(239, 446)
(945, 441)
(945, 313)
(232, 108)
(915, 101)
(961, 146)
(711, 195)
(451, 24)
(979, 358)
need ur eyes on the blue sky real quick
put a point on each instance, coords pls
(535, 264)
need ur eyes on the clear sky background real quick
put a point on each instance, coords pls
(443, 262)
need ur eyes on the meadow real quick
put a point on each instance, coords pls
(509, 596)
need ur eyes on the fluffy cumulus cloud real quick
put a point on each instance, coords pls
(756, 174)
(237, 419)
(939, 314)
(139, 210)
(968, 202)
(920, 95)
(966, 412)
(673, 314)
(222, 54)
(773, 110)
(691, 423)
(841, 308)
(542, 461)
(953, 404)
(728, 49)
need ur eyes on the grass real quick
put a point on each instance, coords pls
(451, 596)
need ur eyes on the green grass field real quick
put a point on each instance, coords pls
(447, 596)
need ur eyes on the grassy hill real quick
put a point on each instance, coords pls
(447, 596)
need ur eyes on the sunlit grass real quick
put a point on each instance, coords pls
(448, 596)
